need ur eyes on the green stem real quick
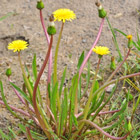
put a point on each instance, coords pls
(56, 54)
(25, 77)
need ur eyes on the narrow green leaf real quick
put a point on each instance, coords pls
(138, 47)
(4, 17)
(123, 107)
(4, 136)
(34, 68)
(7, 106)
(75, 121)
(53, 100)
(21, 92)
(103, 105)
(79, 90)
(95, 104)
(115, 40)
(73, 90)
(64, 111)
(13, 133)
(81, 59)
(35, 135)
(87, 80)
(62, 82)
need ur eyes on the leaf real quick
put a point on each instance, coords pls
(103, 105)
(87, 79)
(81, 59)
(73, 90)
(53, 100)
(34, 68)
(123, 107)
(4, 17)
(35, 135)
(21, 92)
(115, 40)
(63, 115)
(13, 133)
(62, 82)
(3, 136)
(138, 47)
(7, 106)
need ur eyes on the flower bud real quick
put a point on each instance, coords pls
(40, 5)
(112, 65)
(129, 126)
(8, 72)
(51, 28)
(130, 42)
(102, 13)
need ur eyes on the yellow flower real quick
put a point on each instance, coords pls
(18, 45)
(101, 50)
(129, 37)
(64, 14)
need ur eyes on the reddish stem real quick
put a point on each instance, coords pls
(29, 133)
(48, 40)
(89, 53)
(103, 132)
(100, 113)
(36, 85)
(16, 109)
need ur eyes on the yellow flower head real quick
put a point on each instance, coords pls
(64, 14)
(101, 50)
(129, 37)
(18, 45)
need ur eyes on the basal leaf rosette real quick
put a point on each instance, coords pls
(64, 14)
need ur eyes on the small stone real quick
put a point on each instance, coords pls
(109, 88)
(84, 41)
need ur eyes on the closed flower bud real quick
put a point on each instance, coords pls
(8, 72)
(112, 65)
(51, 30)
(129, 126)
(101, 11)
(130, 42)
(40, 5)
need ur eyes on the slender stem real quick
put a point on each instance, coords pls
(25, 77)
(100, 113)
(89, 53)
(29, 133)
(50, 61)
(111, 76)
(43, 125)
(16, 109)
(56, 54)
(103, 132)
(48, 40)
(20, 97)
